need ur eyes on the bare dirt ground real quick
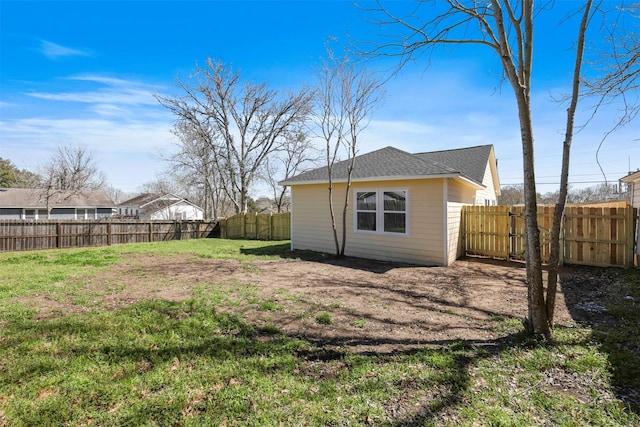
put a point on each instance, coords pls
(373, 306)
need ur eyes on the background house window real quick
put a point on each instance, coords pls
(366, 211)
(386, 207)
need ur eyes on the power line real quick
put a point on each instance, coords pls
(557, 183)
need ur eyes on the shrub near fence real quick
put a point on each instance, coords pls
(25, 235)
(257, 226)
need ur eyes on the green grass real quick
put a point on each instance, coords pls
(195, 362)
(324, 318)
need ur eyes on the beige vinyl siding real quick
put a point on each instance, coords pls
(424, 243)
(310, 221)
(454, 218)
(461, 193)
(488, 193)
(635, 202)
(635, 194)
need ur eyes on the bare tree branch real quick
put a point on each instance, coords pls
(347, 96)
(240, 122)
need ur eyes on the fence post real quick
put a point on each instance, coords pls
(59, 235)
(561, 243)
(108, 233)
(630, 237)
(463, 229)
(257, 230)
(150, 231)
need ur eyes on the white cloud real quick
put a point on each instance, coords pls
(126, 151)
(56, 51)
(112, 92)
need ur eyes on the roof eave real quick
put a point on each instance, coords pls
(631, 177)
(386, 178)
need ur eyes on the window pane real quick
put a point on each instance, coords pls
(395, 201)
(367, 201)
(367, 221)
(394, 223)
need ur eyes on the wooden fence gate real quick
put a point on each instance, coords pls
(597, 236)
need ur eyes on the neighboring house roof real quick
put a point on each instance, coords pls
(140, 200)
(149, 203)
(392, 164)
(632, 177)
(37, 199)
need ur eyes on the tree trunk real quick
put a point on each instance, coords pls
(344, 218)
(537, 322)
(554, 256)
(333, 220)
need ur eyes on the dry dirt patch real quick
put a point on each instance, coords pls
(373, 306)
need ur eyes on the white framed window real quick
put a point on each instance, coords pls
(382, 211)
(366, 211)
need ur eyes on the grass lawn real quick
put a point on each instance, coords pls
(199, 361)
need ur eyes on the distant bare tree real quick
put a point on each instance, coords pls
(347, 95)
(242, 123)
(161, 186)
(598, 193)
(511, 195)
(194, 166)
(71, 169)
(295, 156)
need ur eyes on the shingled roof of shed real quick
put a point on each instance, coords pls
(392, 163)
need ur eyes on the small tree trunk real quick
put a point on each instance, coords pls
(344, 219)
(554, 256)
(537, 322)
(333, 220)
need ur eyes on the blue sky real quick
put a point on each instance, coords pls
(85, 73)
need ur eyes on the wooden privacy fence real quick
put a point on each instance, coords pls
(594, 236)
(24, 235)
(257, 226)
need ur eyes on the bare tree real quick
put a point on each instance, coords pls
(511, 195)
(507, 28)
(296, 156)
(194, 166)
(620, 65)
(347, 95)
(242, 123)
(70, 170)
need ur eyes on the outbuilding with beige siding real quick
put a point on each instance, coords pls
(402, 207)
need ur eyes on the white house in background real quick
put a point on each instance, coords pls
(32, 203)
(403, 207)
(155, 206)
(634, 179)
